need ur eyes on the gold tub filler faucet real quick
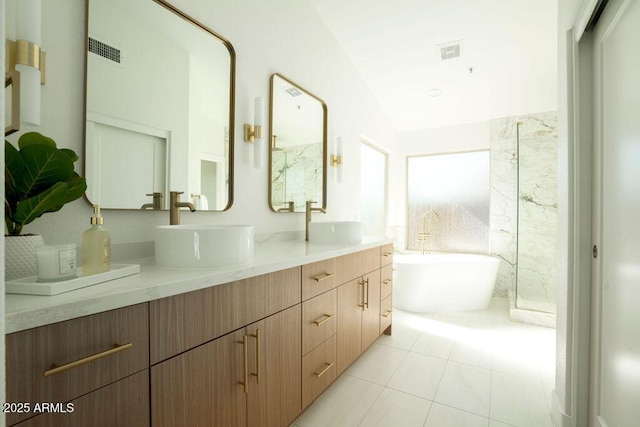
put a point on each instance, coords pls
(425, 235)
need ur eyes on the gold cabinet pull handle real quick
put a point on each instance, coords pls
(257, 337)
(366, 304)
(245, 355)
(387, 281)
(387, 314)
(117, 348)
(361, 283)
(388, 254)
(327, 317)
(326, 368)
(323, 276)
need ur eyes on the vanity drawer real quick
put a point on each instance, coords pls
(318, 319)
(386, 312)
(318, 371)
(184, 321)
(123, 403)
(386, 281)
(386, 254)
(357, 264)
(318, 277)
(87, 353)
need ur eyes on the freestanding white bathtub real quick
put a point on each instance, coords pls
(443, 282)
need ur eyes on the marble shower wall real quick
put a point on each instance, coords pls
(296, 175)
(524, 219)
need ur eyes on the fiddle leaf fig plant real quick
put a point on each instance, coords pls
(39, 178)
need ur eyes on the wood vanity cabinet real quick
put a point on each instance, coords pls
(358, 303)
(124, 403)
(229, 355)
(253, 352)
(184, 321)
(319, 325)
(386, 289)
(248, 377)
(95, 357)
(358, 317)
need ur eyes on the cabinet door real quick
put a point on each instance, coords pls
(349, 334)
(275, 366)
(202, 387)
(124, 403)
(371, 312)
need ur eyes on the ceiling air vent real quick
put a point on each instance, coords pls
(102, 49)
(450, 50)
(292, 91)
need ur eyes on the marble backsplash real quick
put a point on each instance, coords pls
(524, 208)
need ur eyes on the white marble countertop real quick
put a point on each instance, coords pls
(30, 311)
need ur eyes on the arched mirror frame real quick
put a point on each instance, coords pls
(232, 83)
(271, 136)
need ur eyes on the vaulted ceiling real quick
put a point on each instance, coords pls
(507, 64)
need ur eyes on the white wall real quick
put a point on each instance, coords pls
(451, 139)
(283, 36)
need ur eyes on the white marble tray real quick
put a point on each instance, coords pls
(30, 285)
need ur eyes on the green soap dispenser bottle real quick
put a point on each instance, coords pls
(96, 246)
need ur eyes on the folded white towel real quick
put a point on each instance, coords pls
(202, 203)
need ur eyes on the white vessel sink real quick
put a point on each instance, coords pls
(191, 247)
(335, 232)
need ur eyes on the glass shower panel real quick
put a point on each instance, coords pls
(537, 177)
(448, 202)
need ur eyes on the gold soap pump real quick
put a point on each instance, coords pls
(96, 246)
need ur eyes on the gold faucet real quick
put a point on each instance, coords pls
(158, 202)
(424, 235)
(289, 207)
(308, 217)
(175, 205)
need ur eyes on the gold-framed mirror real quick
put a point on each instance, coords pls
(297, 147)
(159, 107)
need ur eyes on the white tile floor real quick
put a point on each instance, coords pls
(446, 370)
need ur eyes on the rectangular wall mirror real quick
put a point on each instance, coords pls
(159, 107)
(298, 147)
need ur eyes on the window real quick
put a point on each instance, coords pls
(448, 202)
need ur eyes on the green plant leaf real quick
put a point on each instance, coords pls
(50, 200)
(77, 185)
(72, 154)
(13, 170)
(39, 178)
(35, 138)
(44, 167)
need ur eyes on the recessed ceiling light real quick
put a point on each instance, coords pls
(434, 92)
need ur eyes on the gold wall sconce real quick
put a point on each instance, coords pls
(25, 63)
(12, 81)
(253, 133)
(336, 160)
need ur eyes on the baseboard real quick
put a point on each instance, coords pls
(558, 416)
(531, 317)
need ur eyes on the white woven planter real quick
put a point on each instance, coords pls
(20, 256)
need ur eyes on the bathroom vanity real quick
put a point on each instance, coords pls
(253, 345)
